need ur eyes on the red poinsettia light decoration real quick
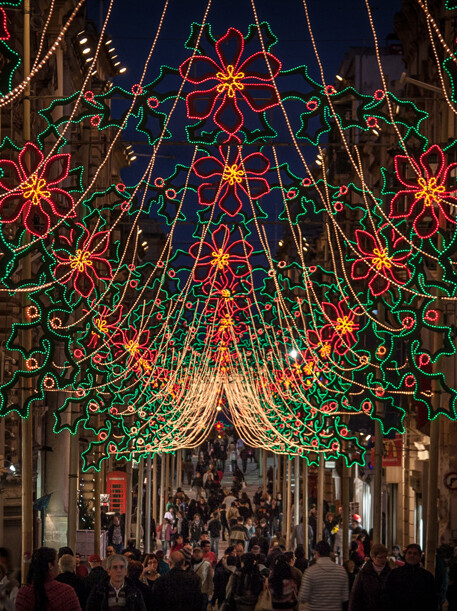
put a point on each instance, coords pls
(230, 178)
(33, 191)
(83, 263)
(232, 81)
(342, 325)
(133, 346)
(383, 259)
(431, 190)
(321, 342)
(220, 257)
(4, 33)
(226, 326)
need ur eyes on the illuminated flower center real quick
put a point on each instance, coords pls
(101, 325)
(325, 350)
(220, 259)
(226, 294)
(308, 368)
(431, 192)
(344, 325)
(132, 347)
(381, 259)
(35, 189)
(226, 322)
(230, 81)
(80, 260)
(144, 363)
(233, 174)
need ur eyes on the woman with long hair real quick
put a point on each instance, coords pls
(282, 586)
(245, 585)
(43, 592)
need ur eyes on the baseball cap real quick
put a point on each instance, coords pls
(356, 517)
(94, 558)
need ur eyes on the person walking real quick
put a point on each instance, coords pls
(369, 590)
(245, 585)
(411, 587)
(244, 458)
(43, 591)
(116, 593)
(8, 590)
(196, 529)
(233, 461)
(282, 585)
(179, 589)
(222, 573)
(115, 537)
(325, 584)
(203, 569)
(67, 568)
(97, 572)
(167, 534)
(150, 574)
(214, 529)
(238, 533)
(208, 555)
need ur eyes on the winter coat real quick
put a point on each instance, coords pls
(60, 596)
(178, 590)
(97, 575)
(369, 590)
(239, 596)
(214, 528)
(167, 532)
(98, 598)
(411, 588)
(77, 583)
(222, 574)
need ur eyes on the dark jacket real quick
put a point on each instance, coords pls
(98, 598)
(196, 529)
(77, 583)
(241, 597)
(214, 528)
(369, 591)
(178, 590)
(411, 588)
(222, 574)
(97, 575)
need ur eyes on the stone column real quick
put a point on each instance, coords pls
(56, 483)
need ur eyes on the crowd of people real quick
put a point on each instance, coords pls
(191, 569)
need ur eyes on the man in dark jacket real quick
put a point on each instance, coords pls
(369, 590)
(118, 591)
(411, 587)
(97, 572)
(67, 567)
(179, 589)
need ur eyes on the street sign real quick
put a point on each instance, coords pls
(450, 480)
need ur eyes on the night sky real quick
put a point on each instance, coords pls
(337, 26)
